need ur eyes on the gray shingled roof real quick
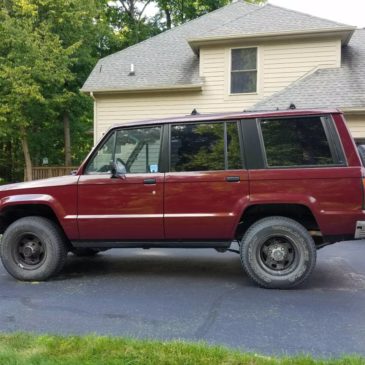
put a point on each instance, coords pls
(168, 60)
(271, 19)
(165, 59)
(328, 88)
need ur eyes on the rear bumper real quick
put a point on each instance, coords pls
(360, 230)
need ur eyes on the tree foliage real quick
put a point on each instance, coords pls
(33, 63)
(47, 50)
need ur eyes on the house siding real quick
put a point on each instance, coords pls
(279, 64)
(356, 124)
(286, 63)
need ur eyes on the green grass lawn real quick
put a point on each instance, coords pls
(27, 349)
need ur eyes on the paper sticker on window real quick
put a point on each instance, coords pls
(153, 168)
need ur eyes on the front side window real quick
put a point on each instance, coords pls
(243, 70)
(134, 150)
(102, 159)
(205, 147)
(296, 142)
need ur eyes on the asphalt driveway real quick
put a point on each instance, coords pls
(197, 295)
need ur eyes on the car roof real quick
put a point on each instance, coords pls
(228, 116)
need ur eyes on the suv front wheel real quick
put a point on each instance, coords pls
(33, 249)
(278, 252)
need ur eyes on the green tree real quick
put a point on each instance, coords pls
(59, 43)
(75, 22)
(130, 23)
(47, 50)
(33, 62)
(176, 12)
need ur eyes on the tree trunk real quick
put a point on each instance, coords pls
(66, 128)
(168, 18)
(28, 161)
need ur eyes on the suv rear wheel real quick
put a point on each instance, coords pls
(33, 249)
(278, 252)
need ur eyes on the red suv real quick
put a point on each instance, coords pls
(281, 184)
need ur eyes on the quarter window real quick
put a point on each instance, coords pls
(296, 142)
(205, 146)
(243, 70)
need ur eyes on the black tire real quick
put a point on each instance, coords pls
(33, 249)
(85, 252)
(278, 253)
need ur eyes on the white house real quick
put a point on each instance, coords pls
(240, 57)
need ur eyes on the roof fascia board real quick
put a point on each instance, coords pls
(353, 111)
(344, 33)
(159, 88)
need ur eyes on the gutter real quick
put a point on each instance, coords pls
(345, 33)
(157, 88)
(92, 95)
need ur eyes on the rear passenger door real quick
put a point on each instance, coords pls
(206, 183)
(300, 160)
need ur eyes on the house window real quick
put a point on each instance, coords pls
(243, 70)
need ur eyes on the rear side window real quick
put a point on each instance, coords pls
(205, 147)
(296, 142)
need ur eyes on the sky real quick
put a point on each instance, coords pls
(351, 12)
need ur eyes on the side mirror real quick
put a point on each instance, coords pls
(115, 172)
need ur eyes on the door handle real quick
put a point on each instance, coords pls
(233, 178)
(149, 181)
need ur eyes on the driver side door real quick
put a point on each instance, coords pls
(127, 205)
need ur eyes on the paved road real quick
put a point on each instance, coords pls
(197, 295)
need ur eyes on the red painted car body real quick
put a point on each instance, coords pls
(196, 206)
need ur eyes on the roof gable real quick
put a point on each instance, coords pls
(328, 88)
(167, 59)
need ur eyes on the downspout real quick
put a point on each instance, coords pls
(95, 121)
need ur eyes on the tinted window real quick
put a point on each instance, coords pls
(244, 70)
(197, 147)
(201, 147)
(133, 151)
(295, 142)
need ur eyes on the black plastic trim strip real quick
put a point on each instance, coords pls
(253, 152)
(225, 136)
(164, 151)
